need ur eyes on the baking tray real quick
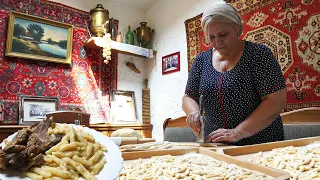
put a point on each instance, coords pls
(251, 149)
(253, 153)
(277, 174)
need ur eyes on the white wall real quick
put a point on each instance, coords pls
(167, 18)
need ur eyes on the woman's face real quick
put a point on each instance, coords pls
(223, 37)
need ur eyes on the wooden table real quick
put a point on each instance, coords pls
(144, 129)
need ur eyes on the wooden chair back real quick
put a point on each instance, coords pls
(178, 122)
(66, 116)
(302, 116)
(301, 123)
(298, 123)
(177, 130)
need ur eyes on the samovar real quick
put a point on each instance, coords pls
(99, 16)
(144, 34)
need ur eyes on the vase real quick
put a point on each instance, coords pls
(113, 29)
(129, 36)
(119, 37)
(135, 38)
(124, 32)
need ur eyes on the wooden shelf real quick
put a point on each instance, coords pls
(96, 43)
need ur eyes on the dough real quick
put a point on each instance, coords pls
(126, 132)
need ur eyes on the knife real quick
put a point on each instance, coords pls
(200, 137)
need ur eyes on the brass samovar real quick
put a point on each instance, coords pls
(99, 16)
(144, 34)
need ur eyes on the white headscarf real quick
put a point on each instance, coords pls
(222, 9)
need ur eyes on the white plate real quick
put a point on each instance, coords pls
(110, 171)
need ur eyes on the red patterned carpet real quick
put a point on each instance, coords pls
(291, 29)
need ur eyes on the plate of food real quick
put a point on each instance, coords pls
(68, 151)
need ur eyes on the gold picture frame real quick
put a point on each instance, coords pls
(37, 38)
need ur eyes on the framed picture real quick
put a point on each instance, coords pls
(38, 38)
(34, 108)
(171, 63)
(123, 107)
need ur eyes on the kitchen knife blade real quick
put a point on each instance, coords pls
(200, 137)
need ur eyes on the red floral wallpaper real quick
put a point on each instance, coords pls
(291, 29)
(86, 85)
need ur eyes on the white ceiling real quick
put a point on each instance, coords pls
(141, 4)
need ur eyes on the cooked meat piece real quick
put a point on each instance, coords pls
(3, 160)
(14, 149)
(17, 161)
(21, 162)
(41, 130)
(57, 138)
(38, 160)
(35, 146)
(27, 148)
(21, 138)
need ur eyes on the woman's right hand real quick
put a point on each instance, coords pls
(193, 120)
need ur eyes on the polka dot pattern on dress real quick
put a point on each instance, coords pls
(230, 97)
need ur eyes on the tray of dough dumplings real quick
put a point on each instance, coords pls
(192, 163)
(298, 157)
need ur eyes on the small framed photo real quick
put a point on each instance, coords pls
(123, 107)
(37, 38)
(34, 108)
(171, 63)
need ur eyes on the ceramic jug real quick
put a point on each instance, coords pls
(144, 34)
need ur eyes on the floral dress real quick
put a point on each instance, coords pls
(230, 97)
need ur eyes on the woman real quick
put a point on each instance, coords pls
(241, 82)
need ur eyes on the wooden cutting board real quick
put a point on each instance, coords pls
(146, 103)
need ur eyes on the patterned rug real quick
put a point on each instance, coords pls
(86, 85)
(291, 29)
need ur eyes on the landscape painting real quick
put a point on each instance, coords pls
(37, 38)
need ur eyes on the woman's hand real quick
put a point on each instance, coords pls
(227, 135)
(193, 120)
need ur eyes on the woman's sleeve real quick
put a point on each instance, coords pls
(193, 83)
(267, 74)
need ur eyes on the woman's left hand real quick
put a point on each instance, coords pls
(227, 135)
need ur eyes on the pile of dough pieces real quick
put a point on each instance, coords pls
(188, 166)
(157, 146)
(301, 162)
